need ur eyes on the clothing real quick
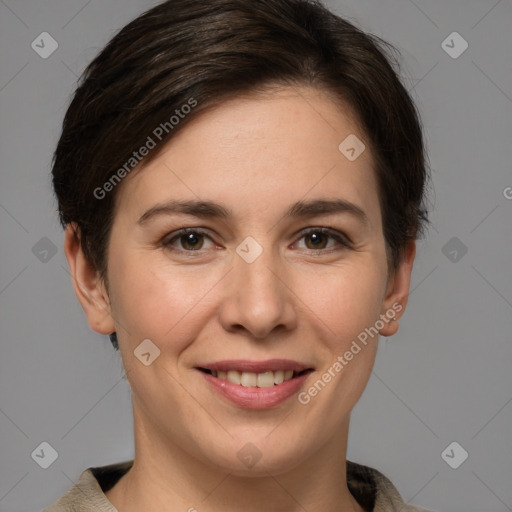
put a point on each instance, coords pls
(373, 491)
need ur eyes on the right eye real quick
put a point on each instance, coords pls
(191, 240)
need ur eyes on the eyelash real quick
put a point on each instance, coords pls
(342, 240)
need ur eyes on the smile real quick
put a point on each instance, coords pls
(260, 380)
(255, 385)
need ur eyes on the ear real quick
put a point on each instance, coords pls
(88, 286)
(397, 292)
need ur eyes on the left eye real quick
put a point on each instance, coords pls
(318, 235)
(188, 237)
(193, 239)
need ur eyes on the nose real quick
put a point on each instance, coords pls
(257, 298)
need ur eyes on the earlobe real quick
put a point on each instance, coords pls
(88, 286)
(397, 292)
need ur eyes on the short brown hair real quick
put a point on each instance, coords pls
(208, 52)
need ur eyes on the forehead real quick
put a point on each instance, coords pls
(259, 151)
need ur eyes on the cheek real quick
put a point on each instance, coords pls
(350, 309)
(346, 299)
(155, 300)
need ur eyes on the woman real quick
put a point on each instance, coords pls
(242, 185)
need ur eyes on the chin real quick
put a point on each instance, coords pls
(258, 455)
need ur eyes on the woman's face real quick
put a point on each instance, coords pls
(255, 286)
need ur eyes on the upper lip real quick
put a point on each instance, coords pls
(246, 365)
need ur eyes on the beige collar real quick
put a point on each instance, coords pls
(370, 488)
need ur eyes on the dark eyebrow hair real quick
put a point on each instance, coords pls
(209, 209)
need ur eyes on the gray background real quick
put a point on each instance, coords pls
(444, 377)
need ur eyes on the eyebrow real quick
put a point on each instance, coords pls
(210, 209)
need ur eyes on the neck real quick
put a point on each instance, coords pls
(166, 478)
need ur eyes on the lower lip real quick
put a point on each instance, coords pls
(253, 397)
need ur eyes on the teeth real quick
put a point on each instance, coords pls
(248, 379)
(234, 376)
(265, 380)
(279, 377)
(251, 379)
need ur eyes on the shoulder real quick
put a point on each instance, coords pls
(87, 493)
(373, 489)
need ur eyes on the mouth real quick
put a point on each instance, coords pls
(254, 384)
(267, 379)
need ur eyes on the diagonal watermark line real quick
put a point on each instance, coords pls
(77, 76)
(280, 423)
(315, 110)
(414, 86)
(428, 275)
(405, 404)
(5, 85)
(87, 495)
(501, 409)
(410, 499)
(490, 490)
(488, 215)
(498, 2)
(17, 426)
(221, 221)
(184, 184)
(13, 279)
(177, 177)
(13, 13)
(216, 487)
(198, 301)
(197, 401)
(286, 491)
(493, 287)
(307, 192)
(14, 218)
(424, 14)
(492, 81)
(97, 402)
(165, 165)
(24, 476)
(434, 228)
(84, 290)
(75, 15)
(332, 332)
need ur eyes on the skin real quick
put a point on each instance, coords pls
(256, 155)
